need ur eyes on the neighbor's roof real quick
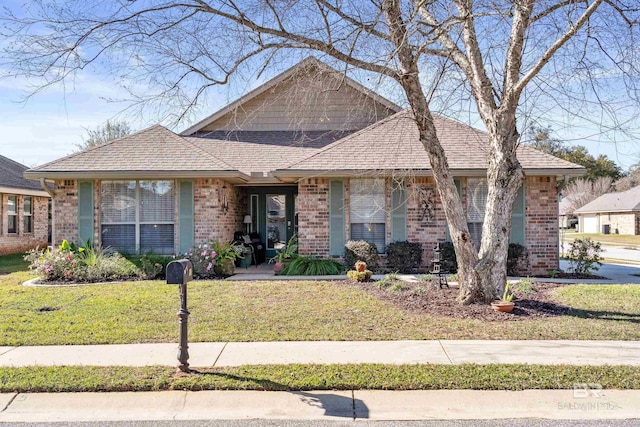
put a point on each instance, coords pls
(393, 144)
(154, 152)
(624, 201)
(12, 181)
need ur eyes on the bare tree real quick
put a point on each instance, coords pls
(109, 131)
(505, 58)
(629, 181)
(582, 191)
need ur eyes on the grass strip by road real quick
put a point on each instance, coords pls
(316, 377)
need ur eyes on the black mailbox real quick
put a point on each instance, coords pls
(179, 271)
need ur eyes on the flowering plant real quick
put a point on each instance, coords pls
(203, 259)
(91, 264)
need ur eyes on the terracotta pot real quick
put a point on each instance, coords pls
(277, 267)
(505, 307)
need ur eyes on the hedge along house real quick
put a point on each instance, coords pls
(24, 210)
(309, 152)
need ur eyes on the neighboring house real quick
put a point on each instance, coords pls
(311, 151)
(24, 210)
(617, 213)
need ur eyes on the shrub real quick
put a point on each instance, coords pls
(360, 276)
(359, 250)
(152, 266)
(584, 255)
(449, 262)
(90, 264)
(309, 266)
(404, 256)
(203, 259)
(517, 260)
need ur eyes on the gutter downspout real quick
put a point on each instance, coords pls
(52, 193)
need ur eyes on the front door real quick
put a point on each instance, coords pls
(274, 209)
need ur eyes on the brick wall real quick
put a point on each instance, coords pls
(210, 222)
(65, 211)
(22, 241)
(426, 222)
(542, 224)
(313, 217)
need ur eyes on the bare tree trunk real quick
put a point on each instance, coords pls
(504, 178)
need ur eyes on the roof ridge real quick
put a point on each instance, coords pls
(348, 137)
(87, 150)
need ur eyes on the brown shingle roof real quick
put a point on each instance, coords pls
(264, 151)
(152, 149)
(393, 144)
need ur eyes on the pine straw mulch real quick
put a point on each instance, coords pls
(427, 298)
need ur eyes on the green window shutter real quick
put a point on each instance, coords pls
(459, 188)
(185, 217)
(85, 212)
(518, 219)
(398, 212)
(336, 217)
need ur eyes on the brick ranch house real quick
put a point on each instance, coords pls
(615, 213)
(24, 210)
(309, 152)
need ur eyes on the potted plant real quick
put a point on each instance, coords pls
(244, 252)
(504, 304)
(226, 255)
(285, 255)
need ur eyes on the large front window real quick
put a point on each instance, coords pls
(367, 211)
(138, 216)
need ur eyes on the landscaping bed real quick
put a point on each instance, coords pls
(427, 298)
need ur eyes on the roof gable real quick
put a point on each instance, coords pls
(310, 96)
(624, 201)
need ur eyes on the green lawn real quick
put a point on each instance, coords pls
(145, 311)
(317, 377)
(13, 263)
(605, 239)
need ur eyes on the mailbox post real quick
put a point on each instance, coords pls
(180, 272)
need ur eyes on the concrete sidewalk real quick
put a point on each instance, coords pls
(324, 352)
(354, 405)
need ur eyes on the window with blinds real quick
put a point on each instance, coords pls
(12, 214)
(138, 216)
(367, 211)
(477, 191)
(27, 214)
